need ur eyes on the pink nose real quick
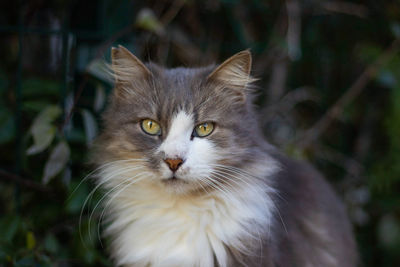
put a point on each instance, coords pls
(174, 164)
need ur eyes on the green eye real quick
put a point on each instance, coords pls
(203, 129)
(150, 127)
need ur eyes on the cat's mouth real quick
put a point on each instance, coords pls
(173, 180)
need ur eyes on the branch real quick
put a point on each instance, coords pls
(172, 11)
(355, 89)
(345, 8)
(100, 51)
(10, 177)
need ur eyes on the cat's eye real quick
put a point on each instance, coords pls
(150, 127)
(203, 129)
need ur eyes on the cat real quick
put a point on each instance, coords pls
(190, 181)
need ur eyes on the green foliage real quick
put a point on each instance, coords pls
(42, 130)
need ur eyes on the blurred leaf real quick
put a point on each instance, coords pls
(8, 227)
(99, 98)
(27, 261)
(67, 175)
(99, 69)
(51, 243)
(57, 161)
(77, 135)
(68, 107)
(30, 240)
(87, 246)
(39, 86)
(389, 231)
(3, 81)
(42, 130)
(3, 256)
(7, 126)
(368, 52)
(387, 79)
(78, 197)
(42, 136)
(147, 20)
(34, 106)
(395, 27)
(90, 125)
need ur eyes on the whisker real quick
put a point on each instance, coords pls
(223, 170)
(107, 178)
(113, 197)
(105, 195)
(220, 187)
(229, 178)
(265, 201)
(98, 169)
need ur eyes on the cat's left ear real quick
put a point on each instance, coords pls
(126, 66)
(234, 73)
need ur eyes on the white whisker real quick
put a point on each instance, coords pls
(133, 180)
(103, 166)
(106, 179)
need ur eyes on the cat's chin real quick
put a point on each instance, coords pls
(173, 180)
(176, 185)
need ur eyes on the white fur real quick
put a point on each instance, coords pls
(197, 153)
(151, 226)
(177, 143)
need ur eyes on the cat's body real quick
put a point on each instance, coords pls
(191, 182)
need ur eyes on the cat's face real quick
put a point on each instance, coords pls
(185, 130)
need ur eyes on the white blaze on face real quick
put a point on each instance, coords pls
(177, 143)
(197, 153)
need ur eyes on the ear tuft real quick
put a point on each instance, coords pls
(126, 67)
(235, 71)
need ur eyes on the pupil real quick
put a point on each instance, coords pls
(150, 124)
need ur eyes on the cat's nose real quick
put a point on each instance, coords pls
(174, 164)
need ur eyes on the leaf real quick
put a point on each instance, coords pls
(26, 261)
(389, 230)
(57, 161)
(9, 227)
(7, 126)
(100, 98)
(68, 106)
(67, 175)
(99, 69)
(42, 130)
(76, 200)
(33, 87)
(51, 243)
(395, 27)
(146, 19)
(42, 137)
(30, 240)
(387, 79)
(90, 125)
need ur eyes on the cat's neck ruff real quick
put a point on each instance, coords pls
(151, 227)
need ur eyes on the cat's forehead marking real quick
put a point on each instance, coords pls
(176, 143)
(181, 122)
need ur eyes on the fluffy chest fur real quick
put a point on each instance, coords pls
(154, 228)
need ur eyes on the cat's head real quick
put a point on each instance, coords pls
(183, 129)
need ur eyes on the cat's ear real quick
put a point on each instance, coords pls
(126, 67)
(234, 73)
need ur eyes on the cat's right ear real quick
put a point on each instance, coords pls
(127, 69)
(233, 76)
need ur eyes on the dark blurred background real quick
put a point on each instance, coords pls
(329, 94)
